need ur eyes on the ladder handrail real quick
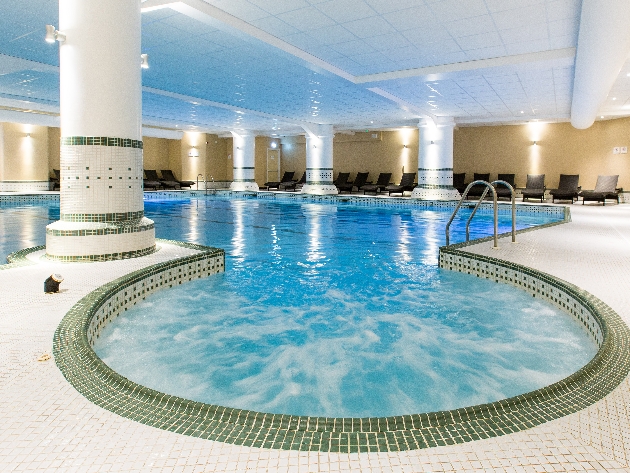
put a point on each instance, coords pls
(509, 186)
(494, 201)
(472, 214)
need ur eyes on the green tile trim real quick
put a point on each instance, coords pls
(101, 385)
(18, 258)
(113, 228)
(434, 186)
(107, 217)
(104, 257)
(100, 141)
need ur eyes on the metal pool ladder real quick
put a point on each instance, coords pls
(489, 186)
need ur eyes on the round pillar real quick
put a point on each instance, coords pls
(244, 162)
(319, 161)
(101, 201)
(435, 161)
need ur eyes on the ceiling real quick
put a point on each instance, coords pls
(272, 65)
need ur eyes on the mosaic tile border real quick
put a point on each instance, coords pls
(360, 200)
(113, 228)
(104, 257)
(100, 141)
(107, 217)
(101, 385)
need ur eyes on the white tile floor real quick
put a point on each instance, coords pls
(45, 425)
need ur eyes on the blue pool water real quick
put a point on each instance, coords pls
(331, 310)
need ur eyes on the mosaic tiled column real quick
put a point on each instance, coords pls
(102, 210)
(319, 160)
(244, 162)
(435, 161)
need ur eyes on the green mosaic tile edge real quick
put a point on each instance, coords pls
(18, 258)
(107, 217)
(100, 141)
(106, 388)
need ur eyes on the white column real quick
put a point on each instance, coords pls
(435, 160)
(244, 153)
(102, 209)
(319, 160)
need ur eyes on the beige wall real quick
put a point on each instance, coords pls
(506, 149)
(155, 153)
(192, 166)
(54, 149)
(361, 152)
(560, 149)
(217, 158)
(23, 158)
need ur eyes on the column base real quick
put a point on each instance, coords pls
(244, 187)
(435, 193)
(99, 241)
(320, 189)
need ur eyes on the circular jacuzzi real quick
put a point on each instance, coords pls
(410, 337)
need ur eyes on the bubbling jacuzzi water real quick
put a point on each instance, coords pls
(337, 311)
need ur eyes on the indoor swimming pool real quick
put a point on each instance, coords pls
(330, 309)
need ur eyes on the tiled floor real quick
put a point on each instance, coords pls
(45, 425)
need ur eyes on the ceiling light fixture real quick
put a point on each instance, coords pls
(52, 35)
(614, 98)
(144, 62)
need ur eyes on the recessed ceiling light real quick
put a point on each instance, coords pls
(602, 116)
(628, 74)
(614, 98)
(522, 111)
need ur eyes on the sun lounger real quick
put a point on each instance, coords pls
(359, 182)
(535, 187)
(605, 188)
(381, 183)
(286, 177)
(168, 175)
(567, 188)
(406, 184)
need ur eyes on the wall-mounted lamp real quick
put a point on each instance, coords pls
(144, 61)
(238, 147)
(405, 146)
(432, 142)
(274, 145)
(53, 35)
(534, 143)
(193, 153)
(314, 146)
(28, 135)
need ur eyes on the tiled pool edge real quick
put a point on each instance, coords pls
(97, 382)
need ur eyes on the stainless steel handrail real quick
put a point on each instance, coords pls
(494, 201)
(512, 193)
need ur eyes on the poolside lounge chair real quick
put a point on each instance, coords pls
(286, 177)
(606, 188)
(567, 188)
(152, 178)
(535, 187)
(342, 178)
(459, 179)
(381, 183)
(55, 182)
(476, 191)
(359, 182)
(168, 175)
(503, 191)
(406, 184)
(293, 185)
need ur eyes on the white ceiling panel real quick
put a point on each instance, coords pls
(289, 61)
